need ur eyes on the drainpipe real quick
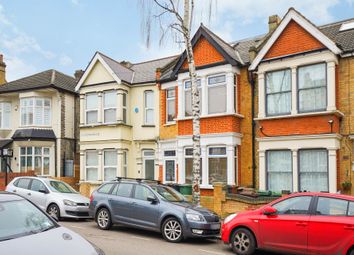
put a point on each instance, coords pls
(251, 81)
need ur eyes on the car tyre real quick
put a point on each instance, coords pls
(351, 252)
(172, 230)
(243, 242)
(54, 211)
(103, 219)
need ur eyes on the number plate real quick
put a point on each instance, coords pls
(215, 226)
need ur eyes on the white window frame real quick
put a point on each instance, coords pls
(219, 84)
(89, 166)
(125, 108)
(217, 156)
(169, 158)
(108, 108)
(125, 161)
(33, 156)
(170, 99)
(33, 99)
(2, 110)
(93, 109)
(146, 108)
(109, 166)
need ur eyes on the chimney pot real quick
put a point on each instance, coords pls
(2, 70)
(273, 22)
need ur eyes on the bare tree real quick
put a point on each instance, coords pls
(175, 18)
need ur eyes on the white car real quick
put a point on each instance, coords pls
(55, 197)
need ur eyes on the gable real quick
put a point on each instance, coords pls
(204, 54)
(294, 39)
(98, 74)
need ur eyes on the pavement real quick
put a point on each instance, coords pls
(122, 240)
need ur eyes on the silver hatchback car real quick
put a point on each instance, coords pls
(55, 197)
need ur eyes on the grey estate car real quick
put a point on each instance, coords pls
(152, 206)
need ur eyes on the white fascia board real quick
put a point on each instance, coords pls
(314, 31)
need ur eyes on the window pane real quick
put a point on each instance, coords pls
(149, 169)
(294, 205)
(149, 118)
(278, 90)
(109, 99)
(217, 151)
(91, 174)
(29, 116)
(106, 188)
(23, 164)
(91, 158)
(37, 185)
(46, 151)
(38, 165)
(142, 193)
(278, 81)
(313, 168)
(39, 102)
(110, 158)
(91, 101)
(23, 183)
(149, 99)
(351, 209)
(279, 103)
(23, 116)
(170, 170)
(171, 110)
(91, 117)
(124, 189)
(217, 99)
(29, 150)
(171, 93)
(46, 102)
(124, 99)
(38, 150)
(189, 170)
(216, 79)
(23, 150)
(6, 115)
(313, 99)
(46, 166)
(110, 115)
(217, 170)
(169, 153)
(46, 117)
(110, 173)
(331, 206)
(124, 115)
(279, 170)
(29, 163)
(312, 76)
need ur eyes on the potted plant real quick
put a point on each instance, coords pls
(347, 185)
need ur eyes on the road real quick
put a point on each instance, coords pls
(127, 241)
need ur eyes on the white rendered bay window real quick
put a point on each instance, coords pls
(35, 111)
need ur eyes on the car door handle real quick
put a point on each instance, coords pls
(29, 193)
(302, 224)
(14, 190)
(133, 203)
(349, 227)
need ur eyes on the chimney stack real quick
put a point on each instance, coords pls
(78, 74)
(252, 53)
(2, 70)
(273, 22)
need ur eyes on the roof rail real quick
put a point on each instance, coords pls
(136, 179)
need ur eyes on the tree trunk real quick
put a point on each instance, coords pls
(195, 103)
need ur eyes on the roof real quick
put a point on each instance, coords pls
(243, 46)
(46, 79)
(35, 134)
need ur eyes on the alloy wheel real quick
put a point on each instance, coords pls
(104, 219)
(173, 230)
(241, 242)
(53, 211)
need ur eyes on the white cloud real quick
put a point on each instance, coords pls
(65, 60)
(17, 68)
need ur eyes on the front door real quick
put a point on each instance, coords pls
(287, 230)
(149, 164)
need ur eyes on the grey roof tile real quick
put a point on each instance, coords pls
(120, 70)
(32, 133)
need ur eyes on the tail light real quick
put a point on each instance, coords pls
(91, 199)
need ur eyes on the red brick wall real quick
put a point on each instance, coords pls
(11, 176)
(294, 39)
(211, 125)
(204, 54)
(299, 126)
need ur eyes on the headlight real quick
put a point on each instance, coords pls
(69, 202)
(230, 217)
(194, 217)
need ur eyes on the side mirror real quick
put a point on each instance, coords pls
(269, 210)
(152, 199)
(44, 191)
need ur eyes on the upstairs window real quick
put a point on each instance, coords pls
(217, 94)
(5, 113)
(149, 107)
(188, 97)
(91, 108)
(124, 107)
(278, 92)
(171, 104)
(312, 86)
(35, 111)
(109, 106)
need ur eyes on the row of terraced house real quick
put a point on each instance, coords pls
(277, 113)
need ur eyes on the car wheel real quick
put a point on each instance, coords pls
(243, 242)
(172, 230)
(103, 219)
(53, 210)
(351, 252)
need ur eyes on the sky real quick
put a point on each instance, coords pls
(36, 35)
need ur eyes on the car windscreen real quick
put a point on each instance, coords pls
(168, 193)
(21, 218)
(61, 187)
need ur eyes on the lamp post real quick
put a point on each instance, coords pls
(6, 153)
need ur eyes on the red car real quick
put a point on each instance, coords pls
(301, 223)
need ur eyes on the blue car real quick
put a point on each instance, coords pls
(152, 206)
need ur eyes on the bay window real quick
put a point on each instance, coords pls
(278, 92)
(5, 113)
(217, 165)
(110, 106)
(188, 165)
(313, 170)
(35, 111)
(149, 107)
(279, 170)
(217, 94)
(188, 97)
(110, 165)
(91, 108)
(312, 86)
(35, 158)
(91, 165)
(170, 104)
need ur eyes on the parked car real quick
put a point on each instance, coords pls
(301, 223)
(55, 197)
(26, 229)
(152, 206)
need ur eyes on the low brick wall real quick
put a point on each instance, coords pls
(11, 176)
(72, 181)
